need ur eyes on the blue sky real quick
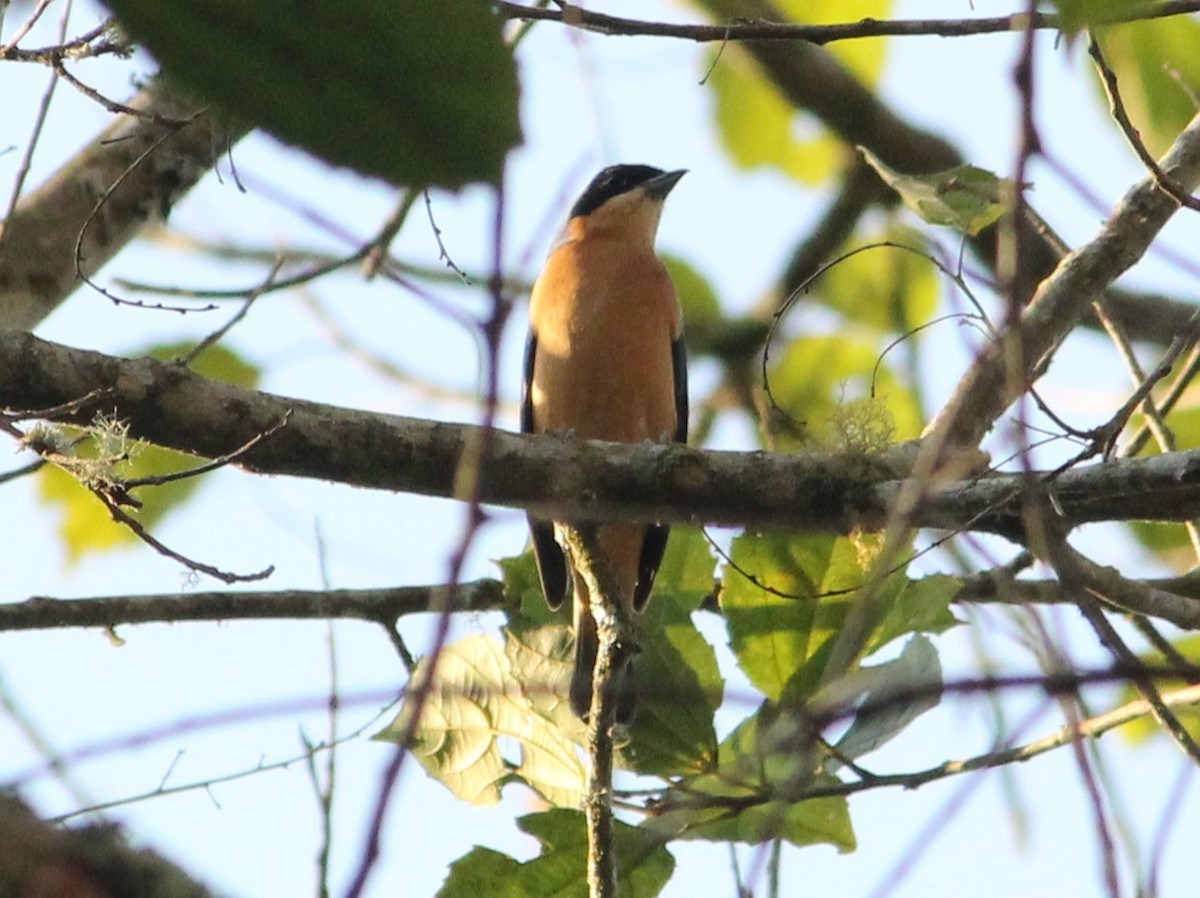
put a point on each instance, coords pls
(587, 101)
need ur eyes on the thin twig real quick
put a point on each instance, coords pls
(1133, 137)
(39, 123)
(135, 526)
(219, 334)
(378, 251)
(602, 23)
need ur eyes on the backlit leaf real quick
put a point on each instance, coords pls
(476, 701)
(965, 198)
(755, 794)
(560, 871)
(1158, 69)
(421, 94)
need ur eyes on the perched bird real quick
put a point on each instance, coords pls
(606, 361)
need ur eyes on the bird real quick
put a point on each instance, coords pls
(605, 360)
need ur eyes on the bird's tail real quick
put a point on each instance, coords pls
(587, 644)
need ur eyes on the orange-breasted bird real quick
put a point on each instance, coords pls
(606, 361)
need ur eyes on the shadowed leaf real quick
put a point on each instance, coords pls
(421, 94)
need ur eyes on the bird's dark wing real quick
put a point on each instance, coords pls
(551, 562)
(655, 543)
(527, 384)
(679, 368)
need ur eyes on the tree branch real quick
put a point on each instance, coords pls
(615, 646)
(89, 862)
(748, 26)
(1020, 355)
(559, 477)
(1174, 599)
(813, 80)
(126, 179)
(381, 606)
(1092, 727)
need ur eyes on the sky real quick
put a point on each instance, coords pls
(587, 101)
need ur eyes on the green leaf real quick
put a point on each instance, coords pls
(838, 387)
(1170, 543)
(918, 606)
(696, 295)
(1076, 15)
(884, 288)
(541, 659)
(755, 795)
(644, 865)
(1142, 729)
(883, 690)
(688, 569)
(865, 59)
(1156, 65)
(85, 524)
(421, 94)
(527, 608)
(485, 872)
(477, 700)
(216, 362)
(965, 198)
(782, 626)
(758, 125)
(772, 629)
(679, 683)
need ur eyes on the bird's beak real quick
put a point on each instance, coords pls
(658, 187)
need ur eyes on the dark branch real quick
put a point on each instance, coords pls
(559, 477)
(744, 30)
(382, 606)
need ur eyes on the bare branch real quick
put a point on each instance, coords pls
(748, 27)
(559, 477)
(1133, 137)
(38, 241)
(1021, 354)
(1078, 574)
(379, 606)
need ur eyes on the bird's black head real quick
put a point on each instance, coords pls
(618, 179)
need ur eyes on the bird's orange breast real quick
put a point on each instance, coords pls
(605, 315)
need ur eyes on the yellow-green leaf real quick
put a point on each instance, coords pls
(215, 362)
(760, 128)
(1170, 543)
(85, 524)
(476, 701)
(892, 695)
(696, 295)
(1141, 729)
(865, 58)
(965, 198)
(1075, 15)
(843, 393)
(888, 289)
(783, 621)
(1158, 68)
